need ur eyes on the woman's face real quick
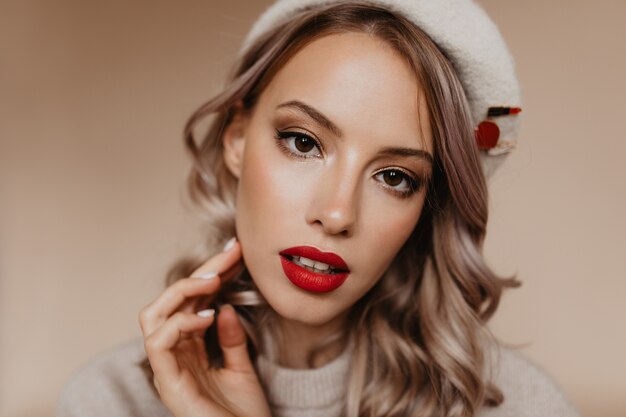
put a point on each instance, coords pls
(335, 157)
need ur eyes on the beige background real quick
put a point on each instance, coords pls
(93, 97)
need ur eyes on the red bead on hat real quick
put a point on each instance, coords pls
(487, 134)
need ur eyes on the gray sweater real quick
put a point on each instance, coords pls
(112, 385)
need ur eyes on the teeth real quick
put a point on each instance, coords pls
(312, 265)
(321, 266)
(307, 261)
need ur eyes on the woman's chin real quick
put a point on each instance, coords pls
(293, 303)
(301, 308)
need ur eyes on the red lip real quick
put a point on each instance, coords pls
(310, 280)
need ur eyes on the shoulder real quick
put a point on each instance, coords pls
(111, 384)
(529, 391)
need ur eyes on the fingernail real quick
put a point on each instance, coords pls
(229, 245)
(206, 313)
(206, 275)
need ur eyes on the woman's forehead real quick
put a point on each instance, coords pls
(358, 82)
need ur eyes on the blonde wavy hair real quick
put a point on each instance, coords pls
(421, 345)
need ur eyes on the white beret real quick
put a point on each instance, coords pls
(476, 48)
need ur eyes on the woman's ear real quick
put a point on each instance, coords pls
(233, 139)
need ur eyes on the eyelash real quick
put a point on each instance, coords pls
(415, 183)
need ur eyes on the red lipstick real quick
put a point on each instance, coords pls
(310, 278)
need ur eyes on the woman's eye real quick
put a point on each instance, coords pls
(299, 144)
(399, 181)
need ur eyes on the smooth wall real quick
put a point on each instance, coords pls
(93, 97)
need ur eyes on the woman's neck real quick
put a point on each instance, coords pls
(300, 339)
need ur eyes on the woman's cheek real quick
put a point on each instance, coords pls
(389, 224)
(284, 185)
(273, 188)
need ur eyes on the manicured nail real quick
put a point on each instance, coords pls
(206, 313)
(206, 275)
(229, 245)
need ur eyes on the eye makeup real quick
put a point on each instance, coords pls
(299, 140)
(298, 145)
(414, 183)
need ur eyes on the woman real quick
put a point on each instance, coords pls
(345, 160)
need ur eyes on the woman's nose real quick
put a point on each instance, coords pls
(333, 206)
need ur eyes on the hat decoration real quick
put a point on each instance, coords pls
(487, 133)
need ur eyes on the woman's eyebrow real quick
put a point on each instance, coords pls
(314, 114)
(420, 153)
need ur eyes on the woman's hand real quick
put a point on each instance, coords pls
(173, 338)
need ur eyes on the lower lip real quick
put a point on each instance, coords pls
(309, 280)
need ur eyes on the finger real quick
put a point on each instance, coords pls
(232, 252)
(201, 302)
(223, 261)
(154, 315)
(159, 344)
(226, 264)
(205, 301)
(232, 340)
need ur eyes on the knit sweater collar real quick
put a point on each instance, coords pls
(304, 388)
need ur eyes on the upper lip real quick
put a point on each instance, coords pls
(314, 254)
